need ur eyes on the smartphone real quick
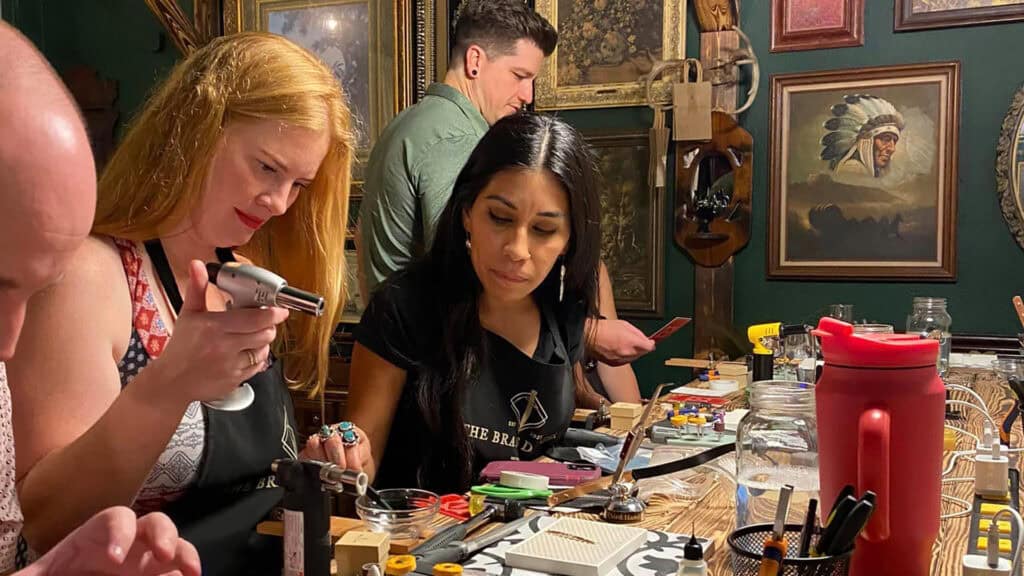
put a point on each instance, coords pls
(669, 329)
(558, 473)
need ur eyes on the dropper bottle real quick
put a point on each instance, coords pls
(693, 563)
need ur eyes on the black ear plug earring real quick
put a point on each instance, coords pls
(473, 72)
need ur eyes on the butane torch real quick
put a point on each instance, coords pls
(307, 517)
(764, 358)
(254, 287)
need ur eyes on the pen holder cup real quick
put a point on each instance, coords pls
(747, 544)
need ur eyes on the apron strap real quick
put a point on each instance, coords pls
(560, 345)
(155, 249)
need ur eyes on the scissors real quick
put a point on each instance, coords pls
(509, 493)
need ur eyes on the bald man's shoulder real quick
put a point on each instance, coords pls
(94, 291)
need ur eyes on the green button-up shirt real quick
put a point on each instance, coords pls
(409, 179)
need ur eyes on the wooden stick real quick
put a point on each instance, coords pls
(1018, 304)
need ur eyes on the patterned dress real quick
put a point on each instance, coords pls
(178, 465)
(10, 511)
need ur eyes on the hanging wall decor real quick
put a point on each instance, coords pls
(863, 176)
(364, 42)
(923, 14)
(604, 50)
(632, 243)
(816, 24)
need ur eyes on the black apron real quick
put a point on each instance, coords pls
(494, 409)
(235, 488)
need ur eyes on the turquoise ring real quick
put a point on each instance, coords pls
(348, 434)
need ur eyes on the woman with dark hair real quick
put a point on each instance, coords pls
(469, 355)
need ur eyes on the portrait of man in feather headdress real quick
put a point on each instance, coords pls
(861, 136)
(864, 176)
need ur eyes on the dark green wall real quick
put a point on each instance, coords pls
(123, 41)
(989, 262)
(119, 38)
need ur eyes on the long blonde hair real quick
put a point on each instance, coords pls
(157, 175)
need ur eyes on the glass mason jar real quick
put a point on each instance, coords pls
(776, 444)
(931, 320)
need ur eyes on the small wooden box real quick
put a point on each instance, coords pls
(625, 410)
(358, 547)
(621, 423)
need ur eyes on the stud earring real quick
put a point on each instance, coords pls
(561, 283)
(469, 245)
(473, 73)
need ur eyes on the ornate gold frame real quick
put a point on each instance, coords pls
(551, 96)
(1008, 170)
(388, 27)
(431, 31)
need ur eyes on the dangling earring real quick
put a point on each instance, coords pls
(469, 245)
(561, 283)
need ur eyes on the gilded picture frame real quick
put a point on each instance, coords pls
(604, 50)
(863, 173)
(632, 222)
(375, 69)
(432, 31)
(1010, 167)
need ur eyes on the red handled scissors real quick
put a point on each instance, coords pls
(455, 506)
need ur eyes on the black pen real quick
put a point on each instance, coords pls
(808, 529)
(836, 519)
(852, 525)
(846, 491)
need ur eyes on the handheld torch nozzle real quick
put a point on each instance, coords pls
(252, 287)
(331, 476)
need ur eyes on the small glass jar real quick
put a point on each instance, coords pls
(931, 320)
(842, 312)
(776, 444)
(873, 329)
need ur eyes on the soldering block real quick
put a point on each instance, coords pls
(625, 410)
(359, 547)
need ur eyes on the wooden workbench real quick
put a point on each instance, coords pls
(713, 516)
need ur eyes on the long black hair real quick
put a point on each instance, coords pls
(524, 141)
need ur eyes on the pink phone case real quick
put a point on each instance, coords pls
(669, 329)
(559, 473)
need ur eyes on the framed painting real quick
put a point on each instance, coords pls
(605, 47)
(355, 200)
(432, 30)
(864, 173)
(632, 212)
(922, 14)
(364, 42)
(815, 24)
(353, 310)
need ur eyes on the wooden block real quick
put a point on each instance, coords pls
(405, 546)
(626, 410)
(359, 547)
(619, 423)
(339, 526)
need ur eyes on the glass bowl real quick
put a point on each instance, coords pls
(411, 510)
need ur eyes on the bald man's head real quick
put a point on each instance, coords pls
(47, 180)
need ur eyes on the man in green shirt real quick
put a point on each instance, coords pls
(499, 47)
